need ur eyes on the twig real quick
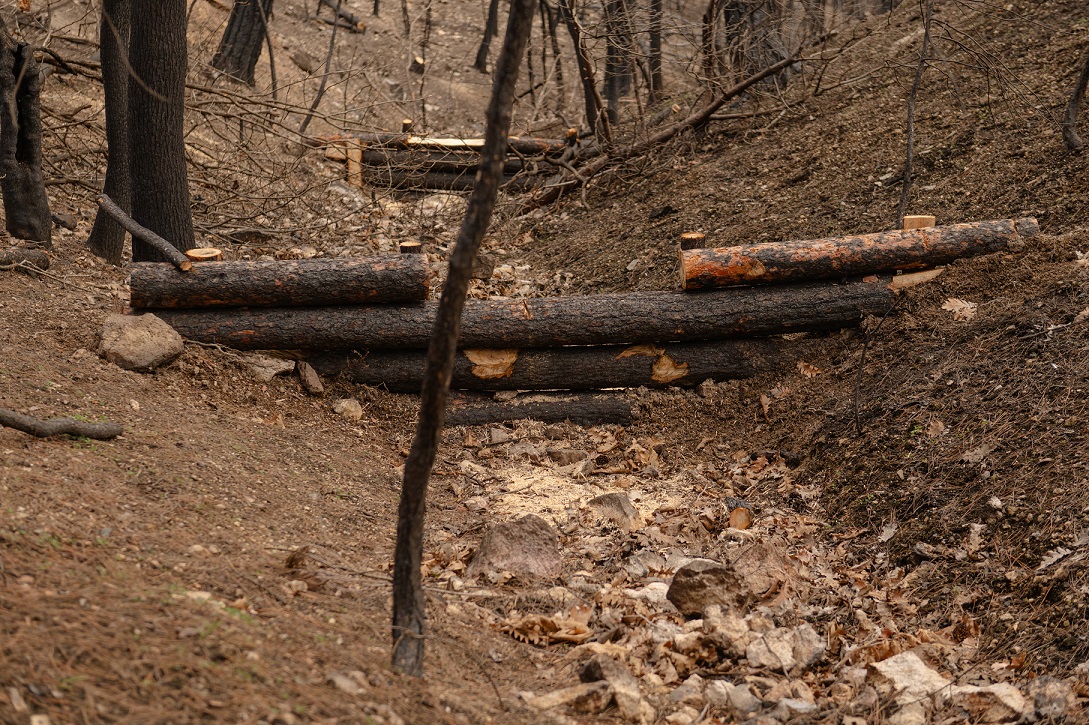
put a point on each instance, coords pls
(59, 426)
(1070, 130)
(144, 234)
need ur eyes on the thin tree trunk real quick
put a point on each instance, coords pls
(618, 74)
(491, 29)
(554, 41)
(1070, 129)
(408, 598)
(240, 48)
(909, 152)
(655, 61)
(107, 239)
(595, 121)
(26, 205)
(324, 76)
(160, 187)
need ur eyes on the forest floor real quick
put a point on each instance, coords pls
(227, 558)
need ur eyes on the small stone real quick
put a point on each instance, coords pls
(739, 698)
(706, 389)
(40, 720)
(808, 646)
(586, 697)
(617, 508)
(554, 432)
(912, 713)
(349, 409)
(309, 378)
(789, 709)
(527, 546)
(139, 342)
(477, 504)
(1052, 697)
(702, 583)
(625, 688)
(566, 456)
(16, 699)
(1001, 702)
(65, 221)
(264, 368)
(198, 550)
(525, 450)
(774, 650)
(296, 585)
(497, 436)
(483, 266)
(726, 630)
(345, 683)
(685, 716)
(689, 693)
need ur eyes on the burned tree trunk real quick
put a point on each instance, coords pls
(609, 319)
(26, 205)
(655, 59)
(391, 278)
(837, 257)
(491, 29)
(1070, 120)
(107, 239)
(581, 409)
(595, 120)
(408, 597)
(160, 188)
(240, 48)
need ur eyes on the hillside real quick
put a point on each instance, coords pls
(919, 485)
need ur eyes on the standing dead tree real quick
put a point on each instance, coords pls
(240, 47)
(596, 120)
(1070, 130)
(909, 153)
(491, 29)
(408, 597)
(26, 205)
(107, 239)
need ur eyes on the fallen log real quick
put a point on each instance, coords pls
(20, 259)
(582, 409)
(144, 234)
(608, 319)
(838, 257)
(441, 180)
(427, 160)
(570, 368)
(390, 278)
(59, 426)
(522, 145)
(351, 21)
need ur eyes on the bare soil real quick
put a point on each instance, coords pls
(227, 558)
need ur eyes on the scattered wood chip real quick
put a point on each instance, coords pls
(808, 370)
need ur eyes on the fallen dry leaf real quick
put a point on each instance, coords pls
(935, 429)
(1053, 556)
(765, 403)
(978, 453)
(808, 370)
(1082, 316)
(740, 518)
(962, 310)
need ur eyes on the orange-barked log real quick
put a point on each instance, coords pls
(850, 256)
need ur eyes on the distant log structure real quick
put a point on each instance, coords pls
(838, 257)
(390, 278)
(608, 319)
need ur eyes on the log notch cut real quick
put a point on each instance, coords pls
(525, 146)
(390, 278)
(582, 409)
(610, 319)
(848, 256)
(573, 368)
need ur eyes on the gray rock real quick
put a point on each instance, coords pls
(808, 646)
(789, 709)
(309, 378)
(738, 698)
(349, 409)
(912, 713)
(773, 650)
(525, 547)
(625, 687)
(690, 692)
(585, 697)
(497, 436)
(139, 342)
(618, 509)
(907, 678)
(1051, 697)
(1001, 702)
(726, 630)
(701, 583)
(265, 367)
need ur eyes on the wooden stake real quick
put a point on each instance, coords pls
(411, 247)
(919, 221)
(354, 155)
(205, 254)
(692, 240)
(406, 125)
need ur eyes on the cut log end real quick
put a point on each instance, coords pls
(205, 254)
(919, 221)
(692, 240)
(411, 247)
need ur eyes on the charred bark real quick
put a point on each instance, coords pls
(107, 238)
(1070, 120)
(393, 278)
(579, 409)
(240, 48)
(839, 257)
(59, 426)
(160, 189)
(491, 29)
(26, 205)
(575, 368)
(609, 319)
(19, 259)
